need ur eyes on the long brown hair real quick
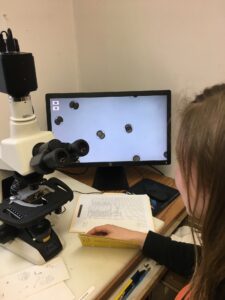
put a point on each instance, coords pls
(201, 147)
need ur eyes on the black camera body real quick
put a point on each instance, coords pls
(17, 74)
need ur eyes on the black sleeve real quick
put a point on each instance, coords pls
(176, 256)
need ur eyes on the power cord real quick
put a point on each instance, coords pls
(8, 44)
(156, 169)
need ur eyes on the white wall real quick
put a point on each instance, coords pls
(46, 29)
(103, 45)
(151, 44)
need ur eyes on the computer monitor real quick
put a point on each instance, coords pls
(121, 128)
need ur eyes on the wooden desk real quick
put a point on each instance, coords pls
(172, 215)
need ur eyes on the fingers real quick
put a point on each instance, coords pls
(100, 230)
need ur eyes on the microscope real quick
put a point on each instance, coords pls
(26, 197)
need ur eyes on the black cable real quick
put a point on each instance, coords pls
(156, 169)
(2, 43)
(10, 41)
(3, 31)
(16, 44)
(9, 44)
(3, 46)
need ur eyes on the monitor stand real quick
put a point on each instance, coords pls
(110, 178)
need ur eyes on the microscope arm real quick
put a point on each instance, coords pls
(29, 154)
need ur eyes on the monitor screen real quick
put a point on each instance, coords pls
(121, 128)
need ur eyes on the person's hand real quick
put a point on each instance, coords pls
(119, 233)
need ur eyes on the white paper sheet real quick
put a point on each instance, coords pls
(59, 291)
(25, 283)
(129, 211)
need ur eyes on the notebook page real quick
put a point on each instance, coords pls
(128, 211)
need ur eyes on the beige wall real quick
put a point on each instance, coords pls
(46, 29)
(151, 44)
(103, 45)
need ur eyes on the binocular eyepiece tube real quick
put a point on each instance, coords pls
(47, 157)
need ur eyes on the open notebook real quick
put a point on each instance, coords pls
(128, 211)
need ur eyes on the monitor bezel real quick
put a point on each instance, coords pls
(167, 93)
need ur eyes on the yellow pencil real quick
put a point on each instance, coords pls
(121, 293)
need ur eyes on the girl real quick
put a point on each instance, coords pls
(200, 179)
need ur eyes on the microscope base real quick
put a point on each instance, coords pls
(26, 251)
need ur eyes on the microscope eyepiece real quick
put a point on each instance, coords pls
(80, 147)
(47, 157)
(57, 158)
